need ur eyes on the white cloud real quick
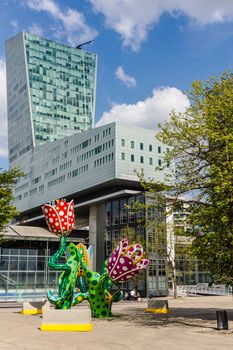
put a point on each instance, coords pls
(74, 26)
(133, 19)
(3, 111)
(35, 29)
(125, 78)
(148, 113)
(14, 24)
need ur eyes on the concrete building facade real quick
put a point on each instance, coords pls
(90, 161)
(97, 169)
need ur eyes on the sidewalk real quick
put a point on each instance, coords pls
(190, 325)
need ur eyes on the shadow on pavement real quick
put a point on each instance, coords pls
(189, 317)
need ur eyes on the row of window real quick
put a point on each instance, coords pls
(56, 181)
(141, 146)
(79, 171)
(87, 143)
(141, 158)
(117, 212)
(103, 160)
(50, 173)
(65, 165)
(113, 236)
(95, 151)
(76, 172)
(106, 132)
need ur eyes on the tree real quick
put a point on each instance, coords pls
(201, 147)
(7, 209)
(165, 237)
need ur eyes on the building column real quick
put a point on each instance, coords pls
(97, 234)
(100, 251)
(93, 232)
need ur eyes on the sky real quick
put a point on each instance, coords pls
(149, 51)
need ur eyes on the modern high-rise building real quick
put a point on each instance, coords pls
(51, 91)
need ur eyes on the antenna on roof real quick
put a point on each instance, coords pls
(86, 43)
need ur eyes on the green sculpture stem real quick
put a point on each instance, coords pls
(98, 285)
(81, 284)
(99, 295)
(61, 251)
(68, 277)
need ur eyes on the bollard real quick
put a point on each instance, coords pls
(222, 320)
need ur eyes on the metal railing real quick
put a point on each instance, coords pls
(205, 289)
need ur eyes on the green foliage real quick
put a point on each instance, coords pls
(201, 141)
(7, 183)
(129, 232)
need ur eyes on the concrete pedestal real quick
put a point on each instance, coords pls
(157, 306)
(78, 320)
(32, 307)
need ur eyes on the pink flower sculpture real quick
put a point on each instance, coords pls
(126, 261)
(59, 217)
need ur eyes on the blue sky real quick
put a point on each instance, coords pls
(149, 51)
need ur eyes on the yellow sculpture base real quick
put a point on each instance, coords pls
(67, 320)
(66, 327)
(31, 312)
(158, 311)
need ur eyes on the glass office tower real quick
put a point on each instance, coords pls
(51, 91)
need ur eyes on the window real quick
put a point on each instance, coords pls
(115, 212)
(115, 235)
(123, 211)
(131, 216)
(159, 162)
(122, 156)
(108, 245)
(132, 144)
(132, 157)
(32, 192)
(150, 161)
(141, 146)
(108, 213)
(123, 142)
(150, 148)
(142, 159)
(159, 149)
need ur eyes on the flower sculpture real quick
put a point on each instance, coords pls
(78, 282)
(59, 217)
(126, 261)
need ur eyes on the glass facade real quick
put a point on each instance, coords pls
(51, 90)
(121, 221)
(62, 88)
(24, 268)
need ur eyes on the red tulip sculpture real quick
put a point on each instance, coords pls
(59, 217)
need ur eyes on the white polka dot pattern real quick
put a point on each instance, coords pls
(126, 261)
(59, 218)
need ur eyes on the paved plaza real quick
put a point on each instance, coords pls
(191, 324)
